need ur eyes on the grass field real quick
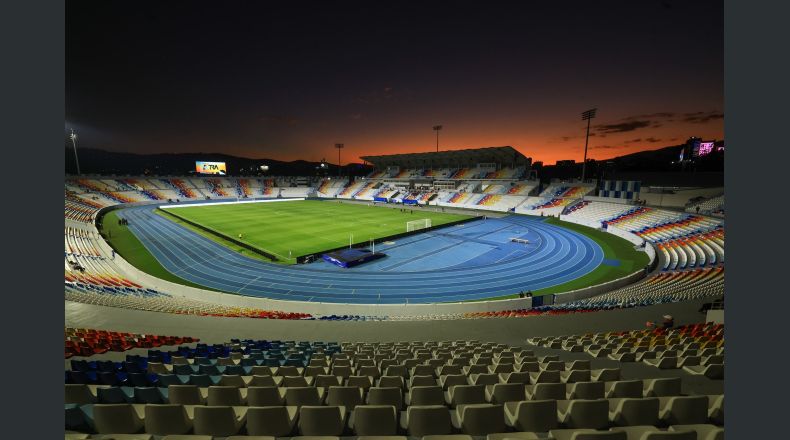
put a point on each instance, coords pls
(292, 229)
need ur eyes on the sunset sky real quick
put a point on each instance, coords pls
(264, 80)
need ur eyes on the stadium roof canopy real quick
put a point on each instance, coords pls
(453, 158)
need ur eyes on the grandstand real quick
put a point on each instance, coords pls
(222, 381)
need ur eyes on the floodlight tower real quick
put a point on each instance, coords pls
(587, 116)
(73, 137)
(436, 128)
(339, 147)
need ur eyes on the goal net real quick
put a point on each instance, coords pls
(414, 225)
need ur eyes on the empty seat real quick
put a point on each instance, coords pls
(185, 395)
(716, 409)
(544, 377)
(586, 434)
(287, 370)
(297, 381)
(533, 415)
(114, 394)
(264, 381)
(396, 370)
(684, 410)
(374, 420)
(704, 432)
(711, 371)
(466, 394)
(322, 420)
(148, 395)
(606, 374)
(546, 391)
(521, 377)
(484, 379)
(364, 382)
(164, 419)
(369, 370)
(585, 390)
(79, 393)
(385, 396)
(348, 397)
(224, 396)
(264, 396)
(479, 419)
(624, 388)
(299, 396)
(506, 392)
(572, 376)
(501, 368)
(327, 380)
(450, 380)
(391, 381)
(423, 370)
(582, 413)
(634, 412)
(219, 421)
(120, 418)
(662, 387)
(419, 420)
(425, 395)
(475, 369)
(422, 380)
(261, 371)
(647, 432)
(275, 421)
(232, 381)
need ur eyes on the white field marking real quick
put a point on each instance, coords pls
(229, 203)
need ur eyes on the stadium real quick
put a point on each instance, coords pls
(455, 293)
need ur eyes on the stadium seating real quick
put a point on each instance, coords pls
(209, 389)
(708, 206)
(87, 342)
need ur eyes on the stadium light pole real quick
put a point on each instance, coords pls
(587, 116)
(436, 128)
(339, 147)
(73, 138)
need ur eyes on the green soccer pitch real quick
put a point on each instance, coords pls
(292, 229)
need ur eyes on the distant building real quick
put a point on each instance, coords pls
(565, 163)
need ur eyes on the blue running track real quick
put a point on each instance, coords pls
(475, 260)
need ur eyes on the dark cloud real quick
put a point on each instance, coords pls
(657, 115)
(623, 127)
(634, 141)
(702, 117)
(607, 147)
(653, 140)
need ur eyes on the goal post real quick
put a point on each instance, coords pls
(414, 225)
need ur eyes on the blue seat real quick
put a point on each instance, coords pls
(79, 365)
(75, 418)
(201, 380)
(247, 362)
(184, 369)
(166, 380)
(86, 377)
(209, 369)
(235, 369)
(106, 366)
(115, 395)
(107, 378)
(148, 395)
